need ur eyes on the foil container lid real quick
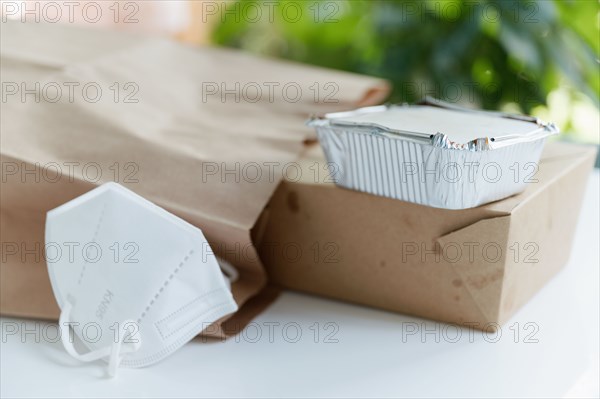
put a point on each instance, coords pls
(442, 125)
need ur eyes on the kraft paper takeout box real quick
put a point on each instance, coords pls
(157, 145)
(326, 240)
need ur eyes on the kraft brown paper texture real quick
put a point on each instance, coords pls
(161, 146)
(366, 261)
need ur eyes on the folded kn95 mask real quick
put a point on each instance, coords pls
(133, 281)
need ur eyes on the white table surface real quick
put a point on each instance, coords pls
(370, 358)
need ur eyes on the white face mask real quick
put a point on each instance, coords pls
(135, 281)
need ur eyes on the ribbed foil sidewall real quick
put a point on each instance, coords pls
(424, 174)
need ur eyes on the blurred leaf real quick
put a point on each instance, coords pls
(492, 52)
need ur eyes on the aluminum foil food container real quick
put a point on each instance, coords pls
(433, 153)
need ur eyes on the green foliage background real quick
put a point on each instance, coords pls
(492, 53)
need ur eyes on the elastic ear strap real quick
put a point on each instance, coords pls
(114, 351)
(230, 272)
(65, 326)
(117, 348)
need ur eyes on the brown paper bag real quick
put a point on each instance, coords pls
(184, 127)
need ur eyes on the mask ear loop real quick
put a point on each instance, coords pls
(230, 273)
(114, 352)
